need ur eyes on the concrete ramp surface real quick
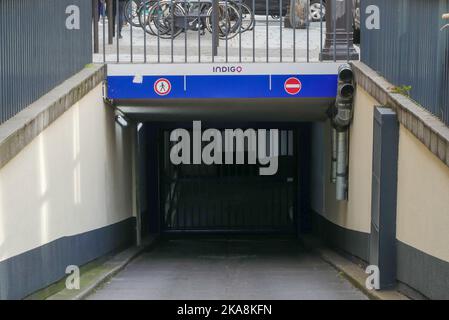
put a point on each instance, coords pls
(229, 269)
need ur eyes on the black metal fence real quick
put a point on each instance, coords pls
(208, 198)
(409, 49)
(37, 51)
(184, 31)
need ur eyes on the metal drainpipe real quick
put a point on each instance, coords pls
(334, 157)
(342, 167)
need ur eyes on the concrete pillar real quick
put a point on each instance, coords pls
(384, 195)
(339, 43)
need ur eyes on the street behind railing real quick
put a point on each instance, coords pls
(205, 31)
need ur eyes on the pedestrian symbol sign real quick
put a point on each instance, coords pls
(162, 87)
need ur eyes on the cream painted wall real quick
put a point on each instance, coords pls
(423, 186)
(355, 214)
(423, 198)
(74, 177)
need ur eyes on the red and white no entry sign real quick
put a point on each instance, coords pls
(292, 86)
(162, 87)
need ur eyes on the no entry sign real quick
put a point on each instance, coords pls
(162, 87)
(292, 86)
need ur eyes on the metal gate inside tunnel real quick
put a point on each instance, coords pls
(228, 198)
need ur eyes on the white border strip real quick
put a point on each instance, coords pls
(208, 69)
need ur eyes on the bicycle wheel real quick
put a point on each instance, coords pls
(246, 15)
(144, 16)
(228, 21)
(131, 12)
(196, 15)
(162, 19)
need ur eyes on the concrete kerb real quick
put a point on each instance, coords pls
(431, 131)
(17, 132)
(350, 270)
(100, 274)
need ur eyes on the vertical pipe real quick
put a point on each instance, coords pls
(334, 156)
(342, 170)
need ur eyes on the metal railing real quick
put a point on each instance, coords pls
(410, 50)
(196, 31)
(37, 51)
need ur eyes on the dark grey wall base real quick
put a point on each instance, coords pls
(423, 272)
(428, 275)
(353, 242)
(38, 268)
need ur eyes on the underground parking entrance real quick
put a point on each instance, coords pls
(205, 178)
(226, 232)
(229, 223)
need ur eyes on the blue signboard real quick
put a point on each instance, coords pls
(135, 83)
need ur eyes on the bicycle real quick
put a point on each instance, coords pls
(132, 9)
(168, 18)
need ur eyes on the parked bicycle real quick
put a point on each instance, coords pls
(169, 18)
